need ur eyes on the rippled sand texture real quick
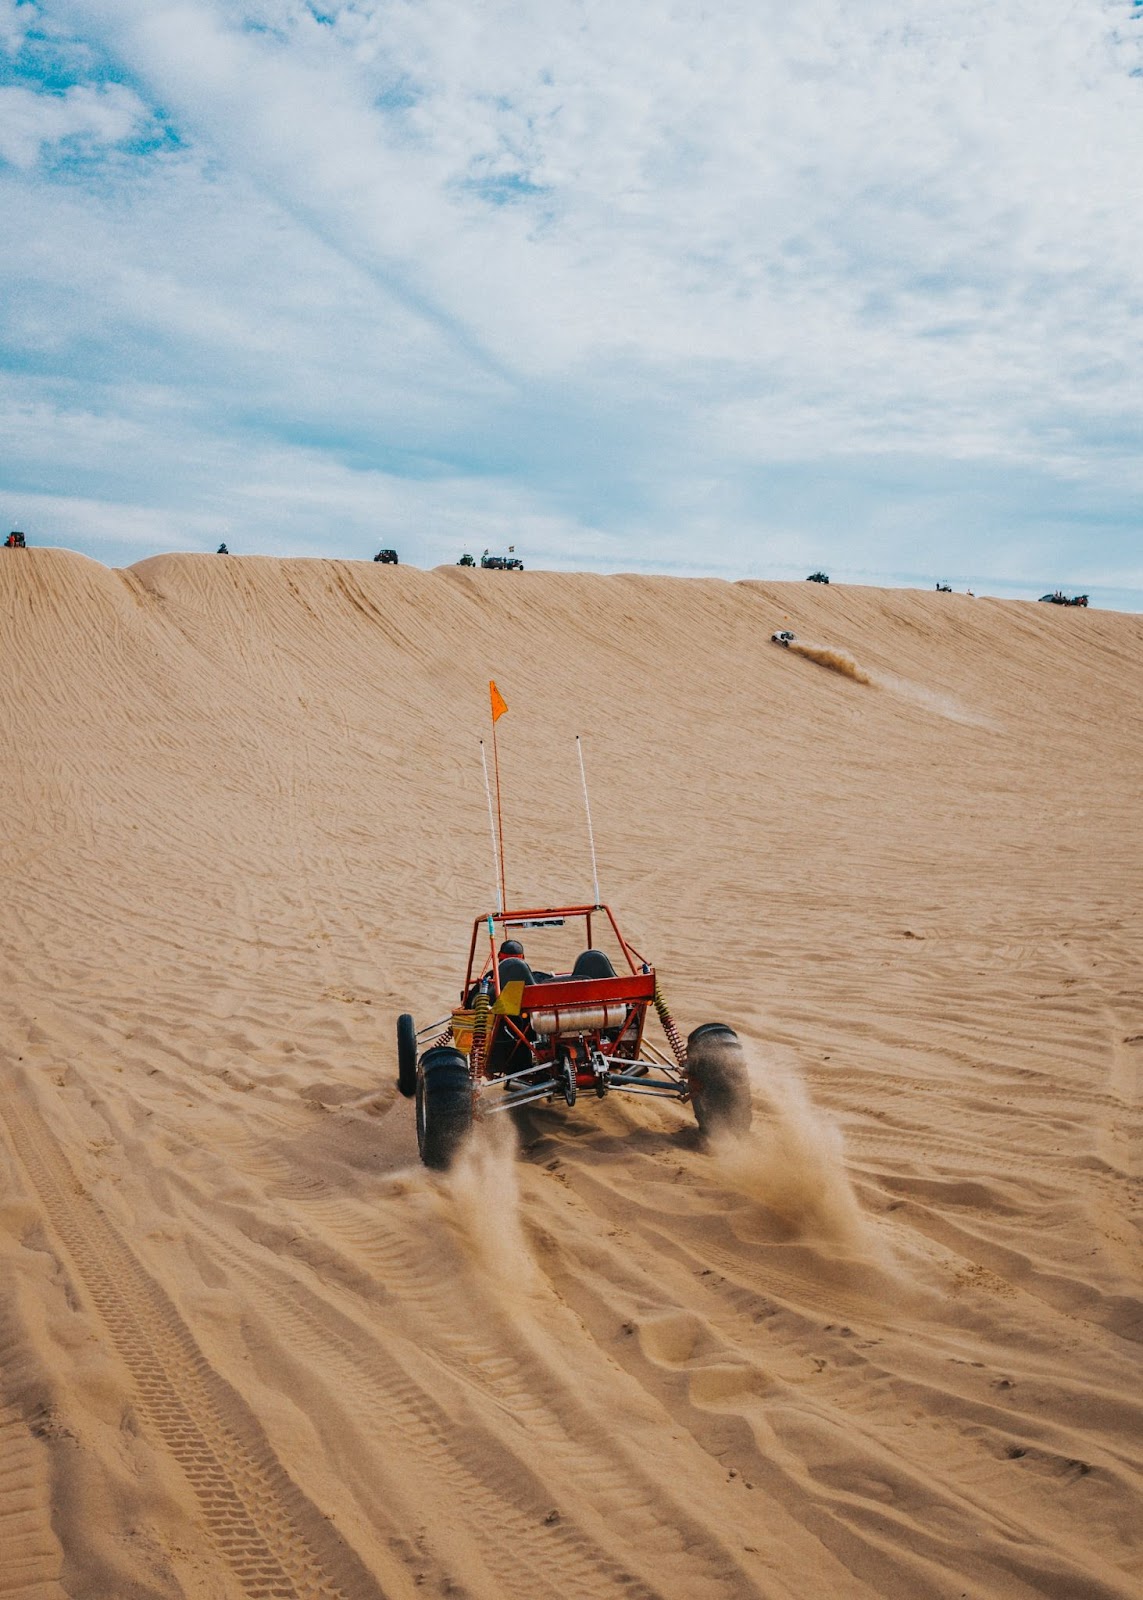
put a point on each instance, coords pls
(888, 1347)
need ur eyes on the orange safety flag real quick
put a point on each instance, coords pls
(499, 705)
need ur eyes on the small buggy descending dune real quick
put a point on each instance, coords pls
(519, 1036)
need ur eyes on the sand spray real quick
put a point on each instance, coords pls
(481, 1197)
(792, 1162)
(836, 660)
(941, 705)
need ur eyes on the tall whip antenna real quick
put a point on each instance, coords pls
(499, 707)
(491, 829)
(590, 829)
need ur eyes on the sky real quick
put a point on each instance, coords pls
(742, 289)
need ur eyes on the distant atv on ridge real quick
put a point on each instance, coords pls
(1059, 598)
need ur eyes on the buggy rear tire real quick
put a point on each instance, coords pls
(406, 1055)
(444, 1106)
(718, 1080)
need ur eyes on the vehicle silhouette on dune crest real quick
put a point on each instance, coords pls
(518, 1036)
(1059, 598)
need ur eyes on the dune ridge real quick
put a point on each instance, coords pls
(889, 1345)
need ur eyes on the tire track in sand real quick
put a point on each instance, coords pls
(32, 1555)
(526, 1553)
(273, 1539)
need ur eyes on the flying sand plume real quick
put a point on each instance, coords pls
(943, 705)
(792, 1163)
(480, 1200)
(835, 660)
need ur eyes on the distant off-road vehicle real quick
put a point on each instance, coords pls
(387, 558)
(466, 560)
(784, 636)
(15, 541)
(502, 563)
(818, 577)
(518, 1036)
(1059, 598)
(944, 588)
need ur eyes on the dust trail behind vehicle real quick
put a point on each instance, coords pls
(934, 700)
(836, 660)
(480, 1200)
(942, 705)
(792, 1162)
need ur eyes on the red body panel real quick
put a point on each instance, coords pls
(632, 987)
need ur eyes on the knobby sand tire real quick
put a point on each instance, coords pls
(406, 1055)
(719, 1084)
(444, 1106)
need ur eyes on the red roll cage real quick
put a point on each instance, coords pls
(545, 917)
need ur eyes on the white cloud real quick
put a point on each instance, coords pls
(15, 21)
(625, 264)
(732, 170)
(88, 117)
(195, 485)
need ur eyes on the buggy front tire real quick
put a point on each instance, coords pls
(444, 1106)
(718, 1081)
(406, 1055)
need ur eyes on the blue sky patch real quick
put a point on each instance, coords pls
(504, 188)
(858, 287)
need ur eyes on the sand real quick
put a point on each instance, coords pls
(888, 1346)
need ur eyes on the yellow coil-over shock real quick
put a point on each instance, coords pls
(674, 1037)
(479, 1029)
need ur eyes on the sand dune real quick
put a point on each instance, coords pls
(888, 1346)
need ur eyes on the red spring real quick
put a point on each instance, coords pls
(674, 1037)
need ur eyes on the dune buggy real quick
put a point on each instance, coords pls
(785, 637)
(519, 1035)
